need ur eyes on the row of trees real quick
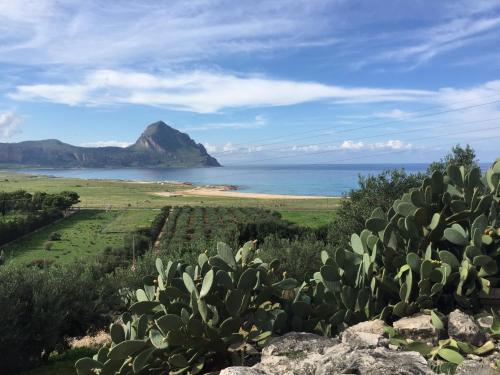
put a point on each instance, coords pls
(32, 211)
(22, 201)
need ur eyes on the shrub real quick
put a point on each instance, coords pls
(40, 307)
(47, 245)
(300, 257)
(54, 236)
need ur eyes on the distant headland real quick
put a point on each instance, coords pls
(159, 145)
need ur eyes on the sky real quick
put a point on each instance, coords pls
(257, 82)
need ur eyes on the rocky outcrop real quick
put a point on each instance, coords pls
(363, 349)
(308, 354)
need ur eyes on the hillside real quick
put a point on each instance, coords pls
(158, 146)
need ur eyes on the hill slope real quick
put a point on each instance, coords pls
(158, 146)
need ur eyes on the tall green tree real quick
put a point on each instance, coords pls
(459, 156)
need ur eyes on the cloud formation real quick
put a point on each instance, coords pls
(203, 91)
(9, 124)
(259, 122)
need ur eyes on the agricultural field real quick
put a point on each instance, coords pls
(312, 219)
(84, 234)
(194, 228)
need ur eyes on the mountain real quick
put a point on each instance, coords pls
(158, 146)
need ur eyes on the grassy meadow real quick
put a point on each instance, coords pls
(83, 234)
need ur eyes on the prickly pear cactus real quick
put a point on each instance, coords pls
(192, 319)
(437, 247)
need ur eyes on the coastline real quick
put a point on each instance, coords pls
(230, 191)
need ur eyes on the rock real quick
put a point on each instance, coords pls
(308, 354)
(241, 370)
(471, 366)
(462, 327)
(367, 334)
(297, 342)
(417, 327)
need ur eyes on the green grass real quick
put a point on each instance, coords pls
(61, 364)
(130, 220)
(313, 219)
(84, 235)
(122, 194)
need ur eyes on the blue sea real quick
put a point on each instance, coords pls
(319, 180)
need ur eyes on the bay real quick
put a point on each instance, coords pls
(318, 180)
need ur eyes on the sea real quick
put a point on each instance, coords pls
(316, 180)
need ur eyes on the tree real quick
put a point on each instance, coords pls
(458, 156)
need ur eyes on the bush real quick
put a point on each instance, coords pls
(300, 257)
(47, 245)
(54, 236)
(40, 307)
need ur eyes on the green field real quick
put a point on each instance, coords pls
(313, 219)
(83, 235)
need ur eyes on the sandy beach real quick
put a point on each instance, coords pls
(229, 192)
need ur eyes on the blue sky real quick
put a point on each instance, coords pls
(279, 81)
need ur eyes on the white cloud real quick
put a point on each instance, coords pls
(86, 32)
(393, 114)
(259, 122)
(9, 124)
(384, 145)
(442, 38)
(106, 144)
(350, 145)
(204, 92)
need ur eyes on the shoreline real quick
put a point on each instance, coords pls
(190, 189)
(230, 191)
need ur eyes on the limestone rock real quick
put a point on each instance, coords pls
(470, 366)
(241, 370)
(417, 327)
(308, 354)
(463, 328)
(367, 334)
(297, 342)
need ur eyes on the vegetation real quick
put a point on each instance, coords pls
(402, 243)
(373, 191)
(193, 319)
(459, 156)
(190, 229)
(435, 248)
(39, 209)
(40, 307)
(85, 234)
